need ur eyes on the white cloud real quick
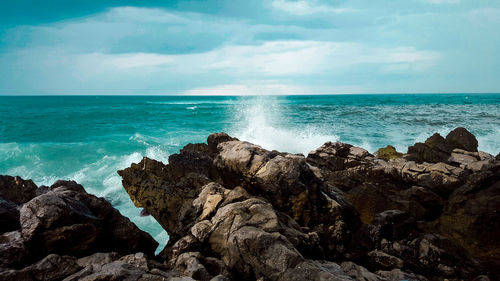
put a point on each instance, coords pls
(277, 58)
(303, 7)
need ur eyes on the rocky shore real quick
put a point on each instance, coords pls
(235, 211)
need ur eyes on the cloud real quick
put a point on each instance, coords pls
(276, 58)
(303, 7)
(152, 50)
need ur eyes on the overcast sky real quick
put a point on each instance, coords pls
(249, 47)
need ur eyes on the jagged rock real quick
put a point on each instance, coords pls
(471, 216)
(67, 220)
(387, 153)
(269, 174)
(462, 139)
(271, 215)
(17, 190)
(434, 150)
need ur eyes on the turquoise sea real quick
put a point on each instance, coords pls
(89, 138)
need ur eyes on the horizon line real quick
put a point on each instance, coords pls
(244, 95)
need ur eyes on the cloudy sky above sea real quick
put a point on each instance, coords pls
(249, 47)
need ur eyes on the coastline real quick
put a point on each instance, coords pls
(235, 211)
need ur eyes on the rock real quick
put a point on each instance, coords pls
(97, 260)
(379, 259)
(463, 139)
(434, 150)
(433, 256)
(9, 216)
(387, 153)
(67, 220)
(471, 218)
(17, 190)
(188, 263)
(358, 272)
(52, 267)
(232, 207)
(215, 139)
(151, 186)
(397, 274)
(13, 252)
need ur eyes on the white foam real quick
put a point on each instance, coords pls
(157, 153)
(260, 124)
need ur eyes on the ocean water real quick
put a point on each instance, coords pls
(89, 138)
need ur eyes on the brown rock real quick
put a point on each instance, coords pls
(17, 190)
(66, 221)
(463, 139)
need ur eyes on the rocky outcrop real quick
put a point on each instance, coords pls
(236, 210)
(438, 149)
(48, 232)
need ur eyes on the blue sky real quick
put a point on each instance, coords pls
(249, 47)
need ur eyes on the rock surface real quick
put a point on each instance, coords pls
(237, 211)
(47, 232)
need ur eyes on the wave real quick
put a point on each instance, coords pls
(262, 122)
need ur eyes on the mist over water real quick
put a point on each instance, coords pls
(89, 138)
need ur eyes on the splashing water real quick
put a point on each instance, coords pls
(262, 122)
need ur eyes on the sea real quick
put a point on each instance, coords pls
(89, 138)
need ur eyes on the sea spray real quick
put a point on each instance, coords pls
(261, 120)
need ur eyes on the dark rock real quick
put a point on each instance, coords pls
(462, 139)
(434, 150)
(9, 216)
(17, 190)
(13, 252)
(71, 221)
(52, 267)
(215, 139)
(471, 217)
(379, 259)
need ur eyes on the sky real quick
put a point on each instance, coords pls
(247, 47)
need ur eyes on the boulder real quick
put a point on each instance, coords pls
(462, 139)
(67, 220)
